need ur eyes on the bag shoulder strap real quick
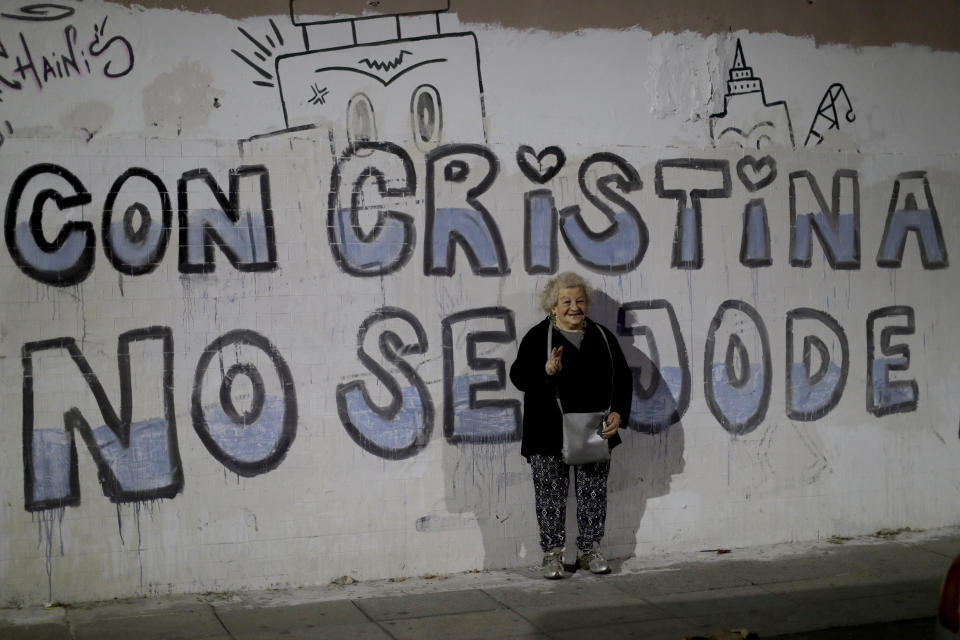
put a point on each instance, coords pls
(606, 343)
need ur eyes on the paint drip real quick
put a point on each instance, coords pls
(46, 521)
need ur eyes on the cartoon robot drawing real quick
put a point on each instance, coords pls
(747, 119)
(385, 75)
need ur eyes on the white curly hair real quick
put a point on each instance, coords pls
(565, 280)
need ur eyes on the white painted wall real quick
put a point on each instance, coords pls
(326, 506)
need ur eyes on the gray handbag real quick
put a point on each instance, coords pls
(583, 440)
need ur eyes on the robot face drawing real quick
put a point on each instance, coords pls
(390, 77)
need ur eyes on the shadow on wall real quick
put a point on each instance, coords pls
(652, 449)
(488, 484)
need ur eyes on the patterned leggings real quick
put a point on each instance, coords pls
(551, 483)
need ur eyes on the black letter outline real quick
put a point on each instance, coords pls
(888, 349)
(683, 402)
(479, 364)
(448, 268)
(928, 263)
(166, 222)
(680, 195)
(231, 209)
(832, 214)
(247, 469)
(760, 413)
(627, 181)
(393, 349)
(80, 269)
(409, 188)
(119, 425)
(805, 313)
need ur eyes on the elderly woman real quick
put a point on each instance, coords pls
(585, 373)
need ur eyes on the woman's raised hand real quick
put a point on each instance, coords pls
(553, 365)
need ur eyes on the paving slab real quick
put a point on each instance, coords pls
(823, 612)
(244, 622)
(661, 629)
(86, 611)
(501, 623)
(792, 569)
(42, 631)
(843, 586)
(179, 625)
(561, 594)
(736, 600)
(902, 630)
(569, 619)
(948, 548)
(888, 607)
(836, 588)
(361, 631)
(777, 618)
(678, 580)
(429, 604)
(906, 561)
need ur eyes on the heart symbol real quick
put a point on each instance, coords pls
(756, 174)
(540, 167)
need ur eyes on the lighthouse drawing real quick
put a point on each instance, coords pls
(747, 119)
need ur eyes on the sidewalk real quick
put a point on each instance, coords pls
(783, 590)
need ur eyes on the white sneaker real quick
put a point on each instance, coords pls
(592, 560)
(553, 564)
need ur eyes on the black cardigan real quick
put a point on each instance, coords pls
(583, 383)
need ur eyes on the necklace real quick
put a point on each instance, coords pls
(581, 329)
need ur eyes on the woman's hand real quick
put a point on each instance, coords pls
(612, 424)
(553, 365)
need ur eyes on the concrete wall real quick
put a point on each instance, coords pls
(239, 352)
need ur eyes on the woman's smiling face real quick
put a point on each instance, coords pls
(571, 309)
